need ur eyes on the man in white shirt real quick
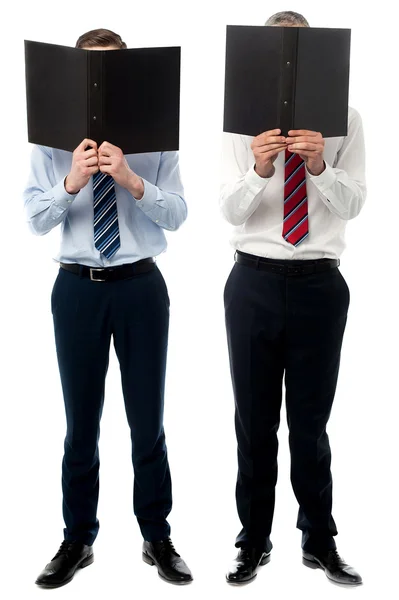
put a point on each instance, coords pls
(286, 306)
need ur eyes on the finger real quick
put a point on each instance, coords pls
(92, 170)
(271, 140)
(103, 151)
(91, 162)
(107, 147)
(271, 132)
(281, 148)
(295, 132)
(302, 138)
(277, 151)
(264, 138)
(89, 153)
(106, 151)
(87, 142)
(305, 146)
(104, 160)
(304, 153)
(268, 147)
(105, 168)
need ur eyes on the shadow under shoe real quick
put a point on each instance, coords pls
(336, 569)
(171, 567)
(245, 566)
(61, 569)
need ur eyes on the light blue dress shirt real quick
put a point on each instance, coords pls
(141, 222)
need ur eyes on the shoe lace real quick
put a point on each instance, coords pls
(247, 553)
(63, 550)
(244, 553)
(334, 557)
(167, 547)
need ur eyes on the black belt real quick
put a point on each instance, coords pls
(286, 267)
(111, 273)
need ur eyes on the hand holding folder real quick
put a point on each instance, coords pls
(84, 165)
(266, 147)
(309, 145)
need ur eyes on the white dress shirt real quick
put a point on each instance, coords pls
(255, 205)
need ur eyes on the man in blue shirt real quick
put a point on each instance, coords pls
(112, 210)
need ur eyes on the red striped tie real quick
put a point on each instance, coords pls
(295, 226)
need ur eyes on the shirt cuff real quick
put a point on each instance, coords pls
(149, 198)
(61, 197)
(325, 180)
(255, 181)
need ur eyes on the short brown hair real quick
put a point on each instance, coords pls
(100, 37)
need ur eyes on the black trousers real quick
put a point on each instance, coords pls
(135, 313)
(284, 325)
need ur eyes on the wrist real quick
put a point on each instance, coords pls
(69, 188)
(265, 172)
(136, 186)
(317, 169)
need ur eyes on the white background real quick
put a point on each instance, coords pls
(199, 403)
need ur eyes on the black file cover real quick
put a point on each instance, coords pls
(286, 78)
(128, 97)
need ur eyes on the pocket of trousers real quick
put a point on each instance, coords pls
(343, 280)
(165, 287)
(227, 287)
(54, 291)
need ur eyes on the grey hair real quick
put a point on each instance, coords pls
(287, 17)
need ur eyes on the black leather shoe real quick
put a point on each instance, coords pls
(334, 567)
(70, 557)
(171, 567)
(246, 565)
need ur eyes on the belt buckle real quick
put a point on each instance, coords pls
(92, 278)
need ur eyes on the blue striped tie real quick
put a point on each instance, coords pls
(106, 227)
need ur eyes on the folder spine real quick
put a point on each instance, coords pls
(289, 57)
(95, 94)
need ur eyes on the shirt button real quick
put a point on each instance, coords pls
(157, 221)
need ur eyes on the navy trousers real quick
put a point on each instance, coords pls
(135, 314)
(292, 326)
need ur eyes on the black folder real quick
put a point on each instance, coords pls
(286, 78)
(129, 98)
